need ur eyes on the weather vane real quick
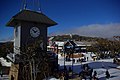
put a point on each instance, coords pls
(36, 5)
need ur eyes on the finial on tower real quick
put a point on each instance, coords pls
(36, 5)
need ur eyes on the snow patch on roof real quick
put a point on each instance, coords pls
(4, 62)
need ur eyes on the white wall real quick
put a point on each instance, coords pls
(17, 32)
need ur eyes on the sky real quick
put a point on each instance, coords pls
(94, 18)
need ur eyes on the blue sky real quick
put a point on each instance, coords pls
(99, 18)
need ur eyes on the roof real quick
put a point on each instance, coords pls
(30, 16)
(84, 43)
(59, 43)
(51, 38)
(71, 43)
(4, 62)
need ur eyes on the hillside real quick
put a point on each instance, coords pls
(75, 37)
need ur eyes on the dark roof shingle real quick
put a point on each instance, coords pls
(31, 16)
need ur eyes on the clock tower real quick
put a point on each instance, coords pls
(28, 27)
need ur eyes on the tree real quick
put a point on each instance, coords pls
(34, 62)
(105, 48)
(6, 48)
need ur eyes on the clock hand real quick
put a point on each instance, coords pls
(34, 31)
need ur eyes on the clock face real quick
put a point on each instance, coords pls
(34, 32)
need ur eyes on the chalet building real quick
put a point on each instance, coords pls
(56, 46)
(4, 66)
(70, 45)
(59, 45)
(83, 45)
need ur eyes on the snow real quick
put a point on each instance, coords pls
(100, 66)
(4, 62)
(4, 77)
(89, 55)
(51, 79)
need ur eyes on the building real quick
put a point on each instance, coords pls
(80, 45)
(4, 66)
(56, 46)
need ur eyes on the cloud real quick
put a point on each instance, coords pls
(97, 30)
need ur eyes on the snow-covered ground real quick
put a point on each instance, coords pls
(4, 77)
(100, 66)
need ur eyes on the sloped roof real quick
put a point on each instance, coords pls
(70, 43)
(30, 16)
(59, 43)
(84, 43)
(4, 62)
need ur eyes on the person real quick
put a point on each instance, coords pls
(95, 75)
(114, 60)
(73, 60)
(70, 70)
(87, 58)
(107, 74)
(91, 70)
(82, 74)
(79, 60)
(66, 58)
(103, 64)
(66, 76)
(65, 68)
(62, 76)
(12, 78)
(1, 73)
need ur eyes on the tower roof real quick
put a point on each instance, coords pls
(30, 16)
